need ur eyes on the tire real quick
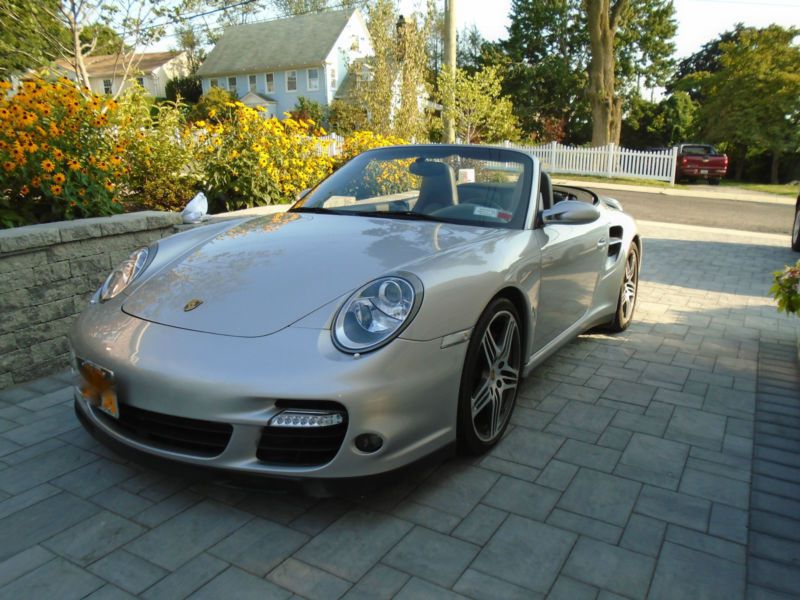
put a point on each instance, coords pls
(628, 292)
(491, 378)
(796, 230)
(713, 182)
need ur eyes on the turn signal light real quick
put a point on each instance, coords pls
(306, 418)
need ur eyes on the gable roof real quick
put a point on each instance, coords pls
(305, 40)
(107, 65)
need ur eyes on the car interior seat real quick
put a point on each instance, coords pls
(546, 190)
(438, 188)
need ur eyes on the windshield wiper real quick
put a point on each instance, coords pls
(410, 215)
(319, 210)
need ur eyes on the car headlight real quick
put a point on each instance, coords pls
(376, 313)
(121, 277)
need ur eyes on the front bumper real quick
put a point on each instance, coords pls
(406, 392)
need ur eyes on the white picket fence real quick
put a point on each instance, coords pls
(602, 161)
(605, 161)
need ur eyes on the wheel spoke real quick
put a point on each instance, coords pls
(490, 349)
(507, 344)
(482, 397)
(509, 377)
(496, 422)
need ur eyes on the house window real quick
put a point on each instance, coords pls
(313, 80)
(214, 83)
(107, 88)
(251, 82)
(270, 82)
(231, 84)
(140, 81)
(291, 81)
(333, 77)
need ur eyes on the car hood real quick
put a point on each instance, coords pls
(264, 274)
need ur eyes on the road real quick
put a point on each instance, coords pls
(709, 212)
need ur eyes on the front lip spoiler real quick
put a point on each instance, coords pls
(268, 482)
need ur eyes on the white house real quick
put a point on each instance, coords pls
(152, 70)
(271, 64)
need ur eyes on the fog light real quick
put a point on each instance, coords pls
(306, 418)
(369, 442)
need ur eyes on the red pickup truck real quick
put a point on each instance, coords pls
(700, 161)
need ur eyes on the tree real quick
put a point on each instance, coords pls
(301, 7)
(481, 113)
(188, 89)
(563, 57)
(753, 100)
(392, 88)
(624, 43)
(190, 41)
(29, 35)
(665, 123)
(470, 49)
(90, 26)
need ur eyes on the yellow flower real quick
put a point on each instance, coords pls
(9, 165)
(5, 85)
(57, 154)
(115, 160)
(59, 178)
(212, 113)
(109, 185)
(56, 189)
(24, 190)
(48, 165)
(73, 164)
(82, 192)
(36, 181)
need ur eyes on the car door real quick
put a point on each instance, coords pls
(572, 259)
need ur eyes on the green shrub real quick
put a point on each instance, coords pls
(190, 89)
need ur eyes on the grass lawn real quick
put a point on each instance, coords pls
(784, 189)
(620, 180)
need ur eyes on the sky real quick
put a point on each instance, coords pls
(699, 21)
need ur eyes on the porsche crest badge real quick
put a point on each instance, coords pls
(192, 304)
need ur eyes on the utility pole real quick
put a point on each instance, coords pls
(450, 61)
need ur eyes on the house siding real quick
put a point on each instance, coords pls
(339, 57)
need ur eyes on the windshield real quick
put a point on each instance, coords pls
(699, 150)
(470, 185)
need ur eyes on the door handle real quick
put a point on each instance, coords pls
(601, 242)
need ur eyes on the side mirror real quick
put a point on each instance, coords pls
(571, 212)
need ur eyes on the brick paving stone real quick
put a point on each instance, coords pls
(526, 553)
(155, 514)
(566, 588)
(457, 491)
(129, 572)
(183, 537)
(56, 579)
(674, 507)
(512, 469)
(18, 502)
(110, 592)
(188, 578)
(380, 583)
(22, 563)
(33, 472)
(600, 496)
(633, 393)
(639, 423)
(353, 544)
(653, 460)
(643, 535)
(41, 521)
(475, 584)
(728, 522)
(308, 581)
(706, 543)
(610, 567)
(479, 525)
(532, 448)
(93, 478)
(686, 573)
(588, 455)
(426, 516)
(419, 589)
(121, 501)
(716, 488)
(522, 498)
(93, 538)
(433, 556)
(614, 437)
(258, 547)
(697, 428)
(585, 526)
(242, 585)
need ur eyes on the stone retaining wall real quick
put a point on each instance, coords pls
(47, 274)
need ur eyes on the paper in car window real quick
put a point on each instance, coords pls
(337, 201)
(466, 176)
(485, 211)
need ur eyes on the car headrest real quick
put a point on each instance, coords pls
(427, 168)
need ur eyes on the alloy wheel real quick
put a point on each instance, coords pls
(629, 287)
(499, 370)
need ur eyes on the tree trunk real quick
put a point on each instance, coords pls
(776, 160)
(603, 19)
(740, 162)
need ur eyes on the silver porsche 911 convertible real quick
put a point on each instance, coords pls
(390, 313)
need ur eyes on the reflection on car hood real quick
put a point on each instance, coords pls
(266, 273)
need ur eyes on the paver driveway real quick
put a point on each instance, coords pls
(627, 471)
